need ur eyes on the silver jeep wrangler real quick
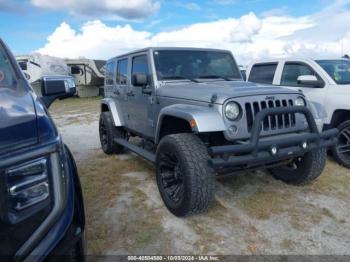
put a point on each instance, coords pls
(196, 119)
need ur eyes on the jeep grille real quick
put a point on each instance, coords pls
(272, 122)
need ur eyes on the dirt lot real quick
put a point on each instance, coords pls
(252, 214)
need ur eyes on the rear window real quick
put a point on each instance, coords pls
(7, 76)
(263, 73)
(109, 77)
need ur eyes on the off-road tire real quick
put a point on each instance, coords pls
(193, 170)
(340, 158)
(308, 169)
(108, 132)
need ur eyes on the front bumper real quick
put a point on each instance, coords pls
(263, 151)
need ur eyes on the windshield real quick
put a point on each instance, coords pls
(7, 77)
(189, 64)
(339, 70)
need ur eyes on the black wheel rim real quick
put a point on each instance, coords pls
(103, 134)
(343, 147)
(171, 177)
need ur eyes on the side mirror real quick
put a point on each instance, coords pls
(139, 80)
(56, 87)
(309, 80)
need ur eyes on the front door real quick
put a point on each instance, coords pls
(140, 104)
(291, 72)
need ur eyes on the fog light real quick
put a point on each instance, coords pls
(233, 130)
(304, 145)
(273, 150)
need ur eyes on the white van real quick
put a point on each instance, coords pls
(325, 82)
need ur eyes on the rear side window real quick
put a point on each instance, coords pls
(263, 73)
(7, 76)
(110, 69)
(140, 65)
(122, 72)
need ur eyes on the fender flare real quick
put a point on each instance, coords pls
(207, 119)
(114, 109)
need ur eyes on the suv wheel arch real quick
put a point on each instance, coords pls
(172, 125)
(339, 116)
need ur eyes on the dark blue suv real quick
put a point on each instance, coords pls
(41, 204)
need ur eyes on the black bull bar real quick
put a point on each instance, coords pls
(274, 149)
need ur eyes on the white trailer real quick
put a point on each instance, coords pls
(35, 66)
(88, 75)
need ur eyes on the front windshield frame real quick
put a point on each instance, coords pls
(331, 66)
(6, 69)
(176, 76)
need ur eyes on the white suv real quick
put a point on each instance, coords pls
(324, 82)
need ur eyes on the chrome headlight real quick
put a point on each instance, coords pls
(232, 111)
(300, 101)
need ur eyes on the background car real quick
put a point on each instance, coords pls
(325, 82)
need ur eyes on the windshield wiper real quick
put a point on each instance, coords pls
(215, 77)
(179, 78)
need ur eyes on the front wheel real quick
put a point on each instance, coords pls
(302, 170)
(341, 151)
(185, 180)
(108, 132)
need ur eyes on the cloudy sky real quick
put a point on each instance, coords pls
(251, 29)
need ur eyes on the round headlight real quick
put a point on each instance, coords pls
(300, 101)
(232, 111)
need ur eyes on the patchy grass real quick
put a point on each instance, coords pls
(263, 203)
(102, 181)
(334, 181)
(76, 110)
(288, 244)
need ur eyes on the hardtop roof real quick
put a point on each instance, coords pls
(148, 49)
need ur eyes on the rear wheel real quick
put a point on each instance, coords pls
(302, 170)
(185, 181)
(341, 151)
(108, 132)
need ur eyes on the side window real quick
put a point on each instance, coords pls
(140, 65)
(263, 73)
(292, 71)
(122, 72)
(109, 77)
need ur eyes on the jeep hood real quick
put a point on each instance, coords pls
(18, 122)
(203, 91)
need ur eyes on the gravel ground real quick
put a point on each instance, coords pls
(252, 213)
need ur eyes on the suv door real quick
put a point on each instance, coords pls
(289, 78)
(140, 109)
